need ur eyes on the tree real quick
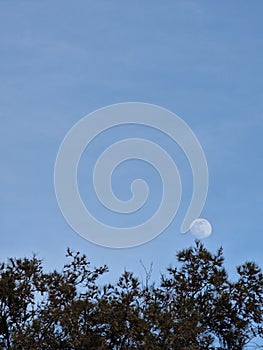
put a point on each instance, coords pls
(195, 306)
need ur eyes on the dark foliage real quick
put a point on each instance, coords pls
(195, 306)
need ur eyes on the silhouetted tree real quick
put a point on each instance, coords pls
(195, 306)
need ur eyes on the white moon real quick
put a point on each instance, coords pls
(201, 228)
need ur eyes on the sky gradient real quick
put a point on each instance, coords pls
(60, 61)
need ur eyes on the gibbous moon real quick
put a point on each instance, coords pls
(201, 228)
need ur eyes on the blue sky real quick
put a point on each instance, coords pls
(59, 61)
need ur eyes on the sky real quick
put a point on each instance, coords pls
(62, 60)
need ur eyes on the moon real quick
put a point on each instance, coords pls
(201, 228)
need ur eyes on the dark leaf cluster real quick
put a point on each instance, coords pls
(194, 306)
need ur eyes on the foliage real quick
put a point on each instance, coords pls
(195, 306)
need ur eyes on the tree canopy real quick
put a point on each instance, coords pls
(194, 306)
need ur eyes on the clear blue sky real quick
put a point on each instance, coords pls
(60, 60)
